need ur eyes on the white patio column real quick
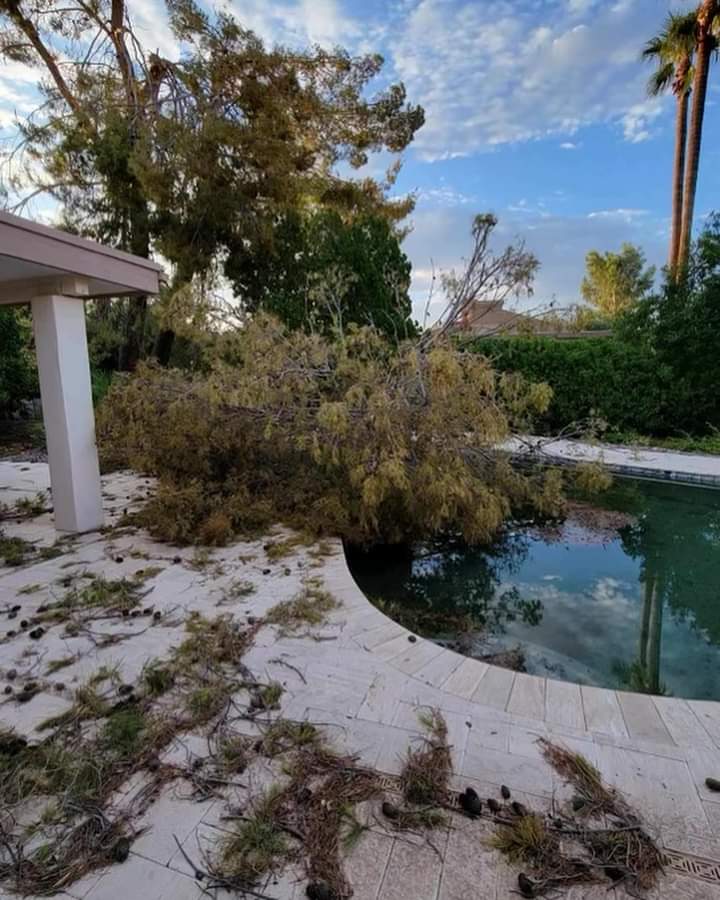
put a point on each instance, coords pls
(64, 368)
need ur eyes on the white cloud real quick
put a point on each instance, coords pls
(150, 21)
(570, 145)
(300, 22)
(618, 215)
(637, 121)
(501, 72)
(444, 196)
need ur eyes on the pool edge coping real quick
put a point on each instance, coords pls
(617, 716)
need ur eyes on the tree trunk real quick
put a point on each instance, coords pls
(704, 46)
(645, 622)
(132, 348)
(677, 185)
(655, 638)
(30, 31)
(163, 346)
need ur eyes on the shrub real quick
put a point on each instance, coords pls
(679, 327)
(18, 380)
(353, 437)
(624, 384)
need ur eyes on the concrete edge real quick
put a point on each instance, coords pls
(617, 716)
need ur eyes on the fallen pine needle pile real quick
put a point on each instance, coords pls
(597, 838)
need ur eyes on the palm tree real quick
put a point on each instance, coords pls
(705, 46)
(673, 50)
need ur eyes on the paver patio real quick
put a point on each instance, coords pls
(360, 678)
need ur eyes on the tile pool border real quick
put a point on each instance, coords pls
(635, 462)
(664, 725)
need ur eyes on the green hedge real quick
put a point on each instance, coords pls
(619, 382)
(18, 378)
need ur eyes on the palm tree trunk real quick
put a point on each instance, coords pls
(678, 174)
(704, 44)
(645, 622)
(655, 638)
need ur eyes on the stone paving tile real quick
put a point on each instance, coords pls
(417, 655)
(642, 718)
(488, 734)
(495, 687)
(531, 775)
(458, 726)
(381, 634)
(708, 713)
(712, 811)
(78, 890)
(662, 788)
(366, 865)
(439, 668)
(705, 763)
(26, 717)
(413, 870)
(364, 739)
(201, 845)
(471, 869)
(138, 877)
(383, 698)
(563, 704)
(535, 802)
(602, 712)
(527, 697)
(393, 747)
(168, 818)
(680, 887)
(685, 842)
(464, 680)
(396, 646)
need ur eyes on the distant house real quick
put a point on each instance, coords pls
(489, 317)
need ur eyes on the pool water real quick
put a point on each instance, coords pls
(629, 601)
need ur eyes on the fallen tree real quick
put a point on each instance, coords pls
(350, 436)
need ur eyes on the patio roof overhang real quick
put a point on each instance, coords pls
(56, 272)
(36, 259)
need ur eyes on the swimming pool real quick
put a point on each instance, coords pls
(624, 593)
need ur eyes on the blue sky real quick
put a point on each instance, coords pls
(535, 109)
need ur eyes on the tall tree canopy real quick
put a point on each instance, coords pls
(199, 155)
(325, 272)
(679, 328)
(615, 282)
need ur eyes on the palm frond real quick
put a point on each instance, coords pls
(661, 79)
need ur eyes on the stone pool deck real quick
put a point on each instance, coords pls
(639, 462)
(363, 680)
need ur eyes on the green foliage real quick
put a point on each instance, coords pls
(351, 437)
(615, 282)
(200, 156)
(672, 50)
(323, 271)
(621, 383)
(257, 846)
(310, 607)
(14, 551)
(525, 840)
(18, 379)
(119, 594)
(122, 732)
(679, 330)
(426, 771)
